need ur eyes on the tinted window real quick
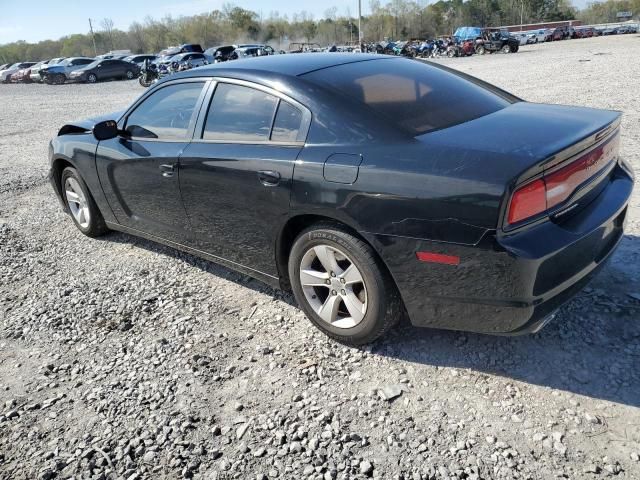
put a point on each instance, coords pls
(287, 123)
(166, 114)
(415, 96)
(82, 61)
(239, 113)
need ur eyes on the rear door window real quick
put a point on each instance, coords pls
(287, 124)
(239, 113)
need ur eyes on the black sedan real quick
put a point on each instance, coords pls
(370, 186)
(102, 69)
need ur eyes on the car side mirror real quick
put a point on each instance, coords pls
(105, 130)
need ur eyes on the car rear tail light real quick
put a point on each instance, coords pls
(554, 188)
(528, 201)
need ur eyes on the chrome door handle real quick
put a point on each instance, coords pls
(269, 178)
(168, 170)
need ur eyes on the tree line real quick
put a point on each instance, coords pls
(398, 19)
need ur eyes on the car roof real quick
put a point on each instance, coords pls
(291, 65)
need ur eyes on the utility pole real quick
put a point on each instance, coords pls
(360, 22)
(93, 37)
(521, 14)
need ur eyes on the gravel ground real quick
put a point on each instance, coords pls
(120, 358)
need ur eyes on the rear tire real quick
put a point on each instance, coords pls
(129, 74)
(480, 50)
(352, 299)
(505, 49)
(80, 204)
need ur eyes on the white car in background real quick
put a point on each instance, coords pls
(5, 75)
(523, 37)
(537, 36)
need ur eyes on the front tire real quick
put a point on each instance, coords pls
(341, 286)
(92, 78)
(129, 74)
(81, 205)
(506, 49)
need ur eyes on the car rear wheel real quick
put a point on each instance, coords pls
(92, 78)
(340, 285)
(82, 207)
(129, 74)
(480, 50)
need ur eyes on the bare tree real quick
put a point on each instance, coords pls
(107, 28)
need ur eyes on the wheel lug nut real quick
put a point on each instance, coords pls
(342, 280)
(333, 274)
(333, 292)
(328, 282)
(343, 292)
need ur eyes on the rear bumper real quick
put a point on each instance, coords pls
(510, 284)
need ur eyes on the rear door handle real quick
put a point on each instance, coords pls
(269, 178)
(168, 170)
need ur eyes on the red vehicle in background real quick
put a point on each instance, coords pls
(22, 76)
(462, 48)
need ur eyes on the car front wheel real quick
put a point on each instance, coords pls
(80, 203)
(341, 286)
(92, 78)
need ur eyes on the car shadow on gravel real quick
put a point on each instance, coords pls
(200, 263)
(591, 348)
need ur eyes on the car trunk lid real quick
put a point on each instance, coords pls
(572, 147)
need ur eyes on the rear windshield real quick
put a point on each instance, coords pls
(415, 96)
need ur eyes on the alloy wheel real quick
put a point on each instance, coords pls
(92, 78)
(129, 74)
(333, 286)
(77, 202)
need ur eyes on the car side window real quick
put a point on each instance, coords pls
(239, 113)
(286, 126)
(167, 113)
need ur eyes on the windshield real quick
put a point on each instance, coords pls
(414, 96)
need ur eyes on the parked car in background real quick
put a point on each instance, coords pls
(35, 70)
(22, 76)
(522, 37)
(537, 36)
(108, 69)
(497, 41)
(191, 47)
(253, 51)
(558, 34)
(58, 73)
(4, 66)
(221, 53)
(5, 75)
(139, 59)
(191, 58)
